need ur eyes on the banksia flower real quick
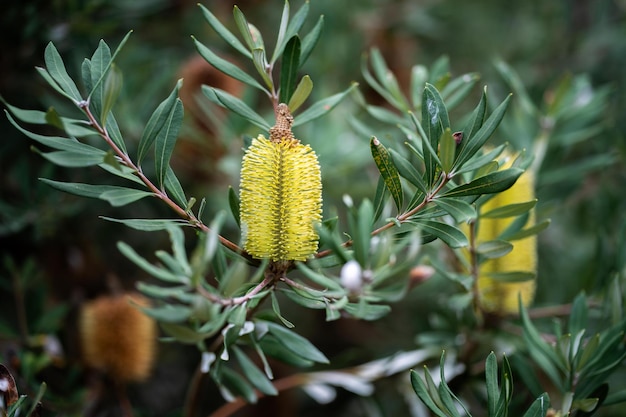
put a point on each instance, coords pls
(117, 338)
(502, 297)
(281, 195)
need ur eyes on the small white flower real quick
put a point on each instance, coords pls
(351, 276)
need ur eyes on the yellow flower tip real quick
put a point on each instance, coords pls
(117, 338)
(500, 297)
(281, 199)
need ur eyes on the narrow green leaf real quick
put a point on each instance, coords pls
(260, 63)
(489, 184)
(408, 171)
(237, 386)
(257, 37)
(148, 225)
(539, 408)
(70, 159)
(174, 189)
(324, 282)
(156, 122)
(296, 343)
(512, 277)
(419, 75)
(460, 210)
(422, 392)
(223, 32)
(99, 66)
(282, 29)
(384, 115)
(182, 333)
(112, 89)
(293, 27)
(380, 198)
(226, 67)
(166, 139)
(578, 315)
(322, 107)
(46, 76)
(431, 158)
(311, 39)
(474, 142)
(530, 231)
(491, 380)
(233, 202)
(447, 150)
(254, 374)
(168, 313)
(56, 69)
(510, 210)
(160, 273)
(116, 196)
(236, 105)
(372, 81)
(450, 235)
(276, 309)
(301, 93)
(388, 171)
(458, 89)
(290, 63)
(494, 248)
(85, 71)
(388, 81)
(243, 26)
(506, 389)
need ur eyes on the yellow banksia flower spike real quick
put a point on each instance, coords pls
(502, 297)
(281, 195)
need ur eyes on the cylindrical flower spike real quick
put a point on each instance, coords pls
(281, 195)
(502, 297)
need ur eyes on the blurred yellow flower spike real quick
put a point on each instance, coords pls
(496, 296)
(281, 195)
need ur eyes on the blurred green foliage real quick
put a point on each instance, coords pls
(564, 64)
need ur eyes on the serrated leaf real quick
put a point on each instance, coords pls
(301, 93)
(166, 140)
(510, 210)
(296, 343)
(322, 107)
(148, 225)
(226, 67)
(450, 235)
(472, 143)
(236, 105)
(388, 171)
(460, 210)
(254, 374)
(489, 184)
(223, 32)
(290, 63)
(56, 69)
(311, 39)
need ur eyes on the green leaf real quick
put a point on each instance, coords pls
(260, 63)
(460, 210)
(174, 189)
(56, 69)
(223, 32)
(233, 202)
(46, 76)
(112, 88)
(166, 139)
(408, 171)
(325, 283)
(512, 277)
(148, 225)
(99, 66)
(380, 198)
(236, 105)
(494, 248)
(431, 158)
(388, 81)
(447, 150)
(168, 313)
(473, 143)
(450, 235)
(524, 233)
(388, 171)
(114, 132)
(156, 272)
(491, 380)
(322, 107)
(116, 196)
(539, 408)
(489, 184)
(183, 334)
(510, 210)
(243, 26)
(282, 29)
(293, 27)
(578, 315)
(254, 374)
(296, 343)
(276, 309)
(71, 159)
(458, 89)
(422, 392)
(360, 225)
(310, 40)
(226, 67)
(506, 389)
(234, 382)
(301, 93)
(156, 122)
(290, 63)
